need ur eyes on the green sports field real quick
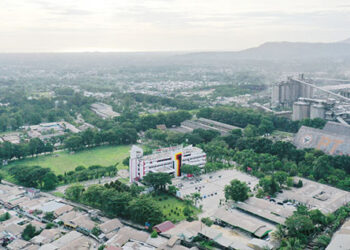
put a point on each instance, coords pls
(64, 161)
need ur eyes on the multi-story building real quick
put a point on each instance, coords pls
(166, 160)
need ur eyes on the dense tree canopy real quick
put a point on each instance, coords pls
(237, 191)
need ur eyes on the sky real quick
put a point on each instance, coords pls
(167, 25)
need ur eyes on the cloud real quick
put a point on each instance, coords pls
(167, 24)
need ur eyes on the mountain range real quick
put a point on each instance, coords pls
(283, 51)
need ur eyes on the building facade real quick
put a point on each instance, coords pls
(165, 160)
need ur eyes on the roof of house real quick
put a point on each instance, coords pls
(48, 247)
(51, 206)
(67, 217)
(113, 248)
(14, 229)
(17, 244)
(38, 225)
(46, 236)
(69, 237)
(164, 226)
(110, 225)
(84, 222)
(62, 210)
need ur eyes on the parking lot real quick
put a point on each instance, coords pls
(211, 187)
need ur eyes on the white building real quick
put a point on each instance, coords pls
(166, 160)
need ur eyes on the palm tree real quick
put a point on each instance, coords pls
(291, 244)
(195, 197)
(279, 234)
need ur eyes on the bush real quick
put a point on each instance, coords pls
(49, 225)
(5, 217)
(207, 221)
(154, 234)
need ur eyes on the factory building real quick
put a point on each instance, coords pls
(333, 139)
(166, 160)
(301, 110)
(285, 93)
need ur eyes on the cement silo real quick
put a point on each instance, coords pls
(317, 111)
(301, 110)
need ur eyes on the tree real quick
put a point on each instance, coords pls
(237, 191)
(93, 195)
(196, 197)
(74, 192)
(5, 217)
(280, 233)
(144, 209)
(50, 181)
(191, 169)
(321, 168)
(74, 143)
(116, 203)
(157, 180)
(126, 161)
(49, 216)
(281, 177)
(269, 184)
(291, 244)
(96, 231)
(299, 225)
(172, 189)
(250, 131)
(29, 232)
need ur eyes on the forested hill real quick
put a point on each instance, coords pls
(283, 51)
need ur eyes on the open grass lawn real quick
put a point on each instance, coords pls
(172, 208)
(64, 161)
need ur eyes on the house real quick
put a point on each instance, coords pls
(46, 236)
(14, 230)
(38, 225)
(163, 227)
(84, 224)
(110, 225)
(18, 244)
(32, 193)
(62, 210)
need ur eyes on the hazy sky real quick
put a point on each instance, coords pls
(167, 25)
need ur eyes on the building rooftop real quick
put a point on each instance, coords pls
(51, 206)
(265, 209)
(316, 196)
(246, 222)
(328, 140)
(164, 226)
(341, 239)
(110, 226)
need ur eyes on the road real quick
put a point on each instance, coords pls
(121, 174)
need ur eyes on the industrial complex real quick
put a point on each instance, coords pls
(305, 99)
(166, 160)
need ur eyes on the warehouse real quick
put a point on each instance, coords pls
(333, 139)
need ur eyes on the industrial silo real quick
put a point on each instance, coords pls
(317, 111)
(301, 110)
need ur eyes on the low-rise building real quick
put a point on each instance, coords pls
(104, 110)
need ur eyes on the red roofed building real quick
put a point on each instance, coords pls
(163, 227)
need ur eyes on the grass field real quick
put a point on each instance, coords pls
(64, 161)
(172, 208)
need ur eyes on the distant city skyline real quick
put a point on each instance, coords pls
(167, 25)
